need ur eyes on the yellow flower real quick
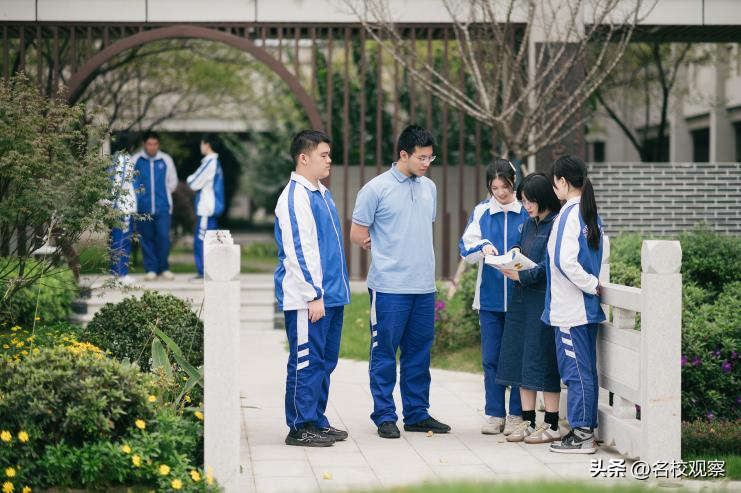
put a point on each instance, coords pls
(16, 328)
(195, 475)
(125, 449)
(23, 436)
(140, 424)
(10, 472)
(187, 398)
(136, 460)
(5, 346)
(19, 344)
(5, 436)
(37, 318)
(199, 415)
(176, 484)
(8, 487)
(164, 469)
(26, 489)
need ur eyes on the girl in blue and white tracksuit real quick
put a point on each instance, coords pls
(494, 228)
(572, 303)
(124, 201)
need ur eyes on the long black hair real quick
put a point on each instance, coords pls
(574, 171)
(501, 168)
(537, 188)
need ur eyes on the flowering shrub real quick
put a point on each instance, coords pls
(18, 342)
(698, 437)
(456, 323)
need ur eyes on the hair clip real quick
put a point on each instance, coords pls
(512, 166)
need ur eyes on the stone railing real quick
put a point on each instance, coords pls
(642, 367)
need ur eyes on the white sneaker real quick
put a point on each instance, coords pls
(127, 281)
(520, 432)
(511, 423)
(543, 434)
(493, 426)
(150, 276)
(168, 276)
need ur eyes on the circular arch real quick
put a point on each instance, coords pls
(85, 74)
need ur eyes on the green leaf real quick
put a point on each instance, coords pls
(159, 357)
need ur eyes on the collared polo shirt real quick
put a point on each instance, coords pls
(399, 211)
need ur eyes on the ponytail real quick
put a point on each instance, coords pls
(574, 171)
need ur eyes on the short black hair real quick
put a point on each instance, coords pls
(150, 135)
(306, 141)
(536, 187)
(501, 168)
(210, 139)
(412, 137)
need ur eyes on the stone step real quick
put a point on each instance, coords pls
(247, 298)
(246, 320)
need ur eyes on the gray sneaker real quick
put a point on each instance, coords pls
(520, 432)
(510, 424)
(577, 441)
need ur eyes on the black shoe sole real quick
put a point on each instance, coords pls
(386, 435)
(425, 429)
(300, 443)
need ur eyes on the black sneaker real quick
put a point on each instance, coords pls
(332, 432)
(429, 424)
(388, 429)
(306, 437)
(577, 441)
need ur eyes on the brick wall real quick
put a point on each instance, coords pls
(667, 198)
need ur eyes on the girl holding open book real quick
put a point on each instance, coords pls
(494, 227)
(530, 359)
(572, 304)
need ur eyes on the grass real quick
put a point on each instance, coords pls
(532, 487)
(732, 463)
(355, 342)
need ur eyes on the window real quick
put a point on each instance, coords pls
(652, 156)
(701, 145)
(737, 128)
(598, 152)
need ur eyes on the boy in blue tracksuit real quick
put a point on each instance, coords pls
(156, 179)
(208, 183)
(495, 227)
(393, 218)
(572, 304)
(122, 174)
(312, 288)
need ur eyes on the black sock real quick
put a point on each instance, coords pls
(529, 416)
(551, 419)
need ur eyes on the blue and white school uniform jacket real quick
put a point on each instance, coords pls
(311, 257)
(158, 178)
(208, 183)
(490, 224)
(572, 271)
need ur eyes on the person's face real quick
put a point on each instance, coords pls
(151, 146)
(317, 161)
(205, 148)
(501, 191)
(531, 207)
(419, 161)
(561, 187)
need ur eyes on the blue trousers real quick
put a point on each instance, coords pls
(203, 224)
(492, 329)
(120, 247)
(406, 322)
(314, 349)
(155, 241)
(576, 348)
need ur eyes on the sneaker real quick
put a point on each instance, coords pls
(388, 429)
(150, 276)
(510, 424)
(543, 434)
(127, 281)
(195, 279)
(168, 276)
(429, 424)
(332, 432)
(493, 426)
(520, 432)
(577, 441)
(305, 437)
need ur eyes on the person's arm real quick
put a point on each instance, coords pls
(363, 217)
(471, 245)
(203, 175)
(536, 275)
(171, 176)
(360, 236)
(566, 258)
(301, 247)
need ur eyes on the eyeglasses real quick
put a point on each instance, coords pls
(527, 203)
(425, 159)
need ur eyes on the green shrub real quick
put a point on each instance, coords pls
(456, 323)
(17, 342)
(71, 394)
(48, 299)
(709, 259)
(706, 438)
(126, 329)
(626, 249)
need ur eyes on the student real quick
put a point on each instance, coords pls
(312, 288)
(156, 179)
(530, 359)
(208, 183)
(394, 213)
(572, 304)
(493, 229)
(124, 202)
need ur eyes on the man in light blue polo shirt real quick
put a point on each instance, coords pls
(394, 213)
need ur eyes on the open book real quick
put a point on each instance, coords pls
(512, 260)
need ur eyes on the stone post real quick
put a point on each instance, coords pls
(221, 358)
(661, 348)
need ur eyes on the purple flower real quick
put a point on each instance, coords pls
(439, 305)
(716, 353)
(684, 361)
(734, 355)
(738, 400)
(710, 416)
(696, 361)
(726, 366)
